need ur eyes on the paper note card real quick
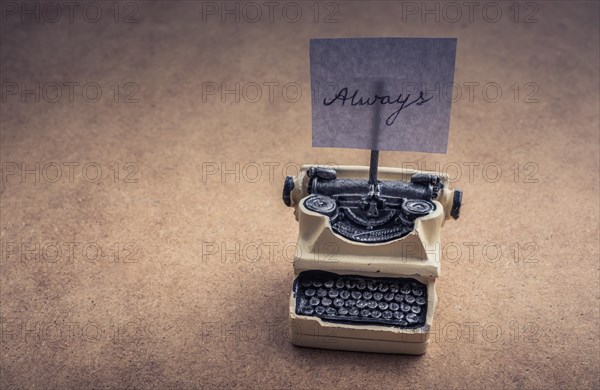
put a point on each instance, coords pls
(382, 93)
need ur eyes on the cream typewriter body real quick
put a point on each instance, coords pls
(367, 257)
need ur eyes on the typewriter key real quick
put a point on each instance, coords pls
(310, 292)
(398, 315)
(307, 310)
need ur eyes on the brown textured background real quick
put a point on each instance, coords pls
(172, 319)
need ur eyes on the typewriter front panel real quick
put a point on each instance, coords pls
(389, 323)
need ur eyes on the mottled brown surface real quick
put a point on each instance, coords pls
(172, 319)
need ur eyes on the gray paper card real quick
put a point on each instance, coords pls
(382, 93)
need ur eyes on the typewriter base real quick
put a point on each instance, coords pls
(309, 331)
(314, 333)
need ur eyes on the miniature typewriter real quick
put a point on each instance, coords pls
(368, 250)
(368, 255)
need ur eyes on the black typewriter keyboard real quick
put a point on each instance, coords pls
(397, 302)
